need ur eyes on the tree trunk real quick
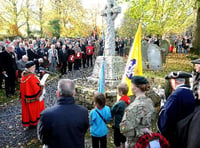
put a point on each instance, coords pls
(27, 18)
(41, 17)
(196, 36)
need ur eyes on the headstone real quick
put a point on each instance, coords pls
(145, 61)
(154, 57)
(164, 44)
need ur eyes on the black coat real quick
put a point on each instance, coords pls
(70, 52)
(20, 52)
(9, 64)
(64, 124)
(42, 52)
(32, 55)
(194, 130)
(64, 56)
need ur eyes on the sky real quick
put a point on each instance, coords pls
(99, 5)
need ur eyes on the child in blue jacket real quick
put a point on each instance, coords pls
(99, 116)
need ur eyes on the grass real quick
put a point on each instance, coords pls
(4, 99)
(174, 62)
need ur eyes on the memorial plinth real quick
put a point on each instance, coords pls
(114, 69)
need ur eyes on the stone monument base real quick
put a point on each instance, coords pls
(114, 70)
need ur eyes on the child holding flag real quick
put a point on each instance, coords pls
(117, 113)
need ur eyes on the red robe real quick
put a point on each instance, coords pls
(30, 91)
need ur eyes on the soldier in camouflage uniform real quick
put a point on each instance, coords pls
(139, 115)
(196, 77)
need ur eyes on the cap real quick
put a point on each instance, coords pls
(178, 74)
(29, 64)
(139, 80)
(197, 61)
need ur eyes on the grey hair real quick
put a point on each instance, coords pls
(180, 80)
(10, 45)
(66, 87)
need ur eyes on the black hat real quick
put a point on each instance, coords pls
(197, 61)
(178, 74)
(29, 64)
(139, 80)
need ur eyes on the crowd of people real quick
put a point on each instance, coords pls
(66, 123)
(181, 44)
(66, 55)
(63, 55)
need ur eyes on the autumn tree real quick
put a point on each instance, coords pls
(196, 35)
(128, 27)
(162, 16)
(27, 11)
(71, 16)
(11, 13)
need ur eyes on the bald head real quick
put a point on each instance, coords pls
(24, 58)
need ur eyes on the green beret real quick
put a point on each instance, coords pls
(138, 80)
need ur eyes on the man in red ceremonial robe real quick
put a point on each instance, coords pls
(30, 92)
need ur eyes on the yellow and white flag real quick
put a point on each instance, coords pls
(134, 62)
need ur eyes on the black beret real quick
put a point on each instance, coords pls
(139, 80)
(197, 61)
(29, 64)
(178, 74)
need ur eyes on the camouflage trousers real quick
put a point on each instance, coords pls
(131, 141)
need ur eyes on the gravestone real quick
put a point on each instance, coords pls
(154, 57)
(151, 56)
(145, 60)
(164, 44)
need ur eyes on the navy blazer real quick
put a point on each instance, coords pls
(179, 105)
(63, 125)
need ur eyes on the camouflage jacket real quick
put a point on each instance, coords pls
(138, 116)
(196, 80)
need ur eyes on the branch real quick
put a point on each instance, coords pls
(4, 19)
(21, 25)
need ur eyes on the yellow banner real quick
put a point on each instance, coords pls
(134, 62)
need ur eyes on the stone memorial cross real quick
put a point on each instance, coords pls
(110, 13)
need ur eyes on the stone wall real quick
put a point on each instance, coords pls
(85, 92)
